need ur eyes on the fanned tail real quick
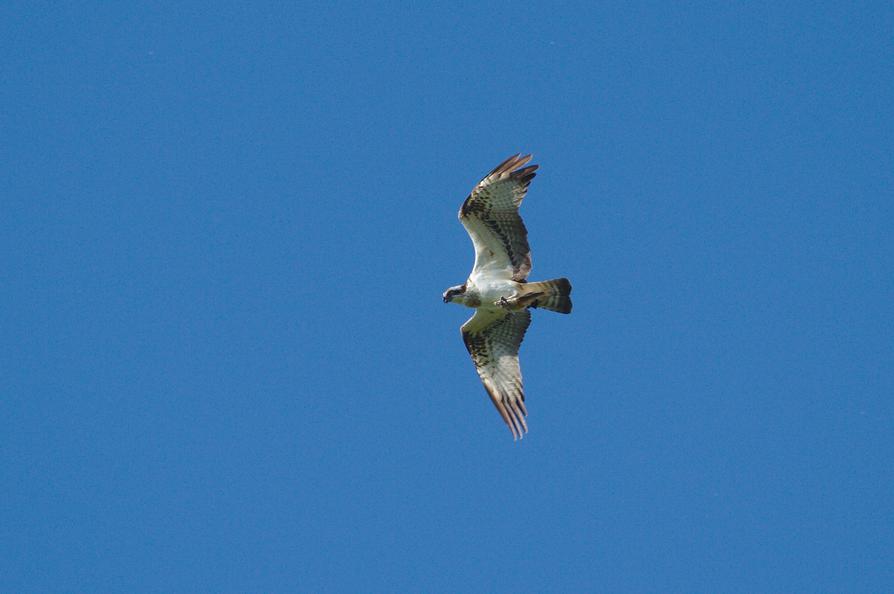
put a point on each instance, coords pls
(556, 294)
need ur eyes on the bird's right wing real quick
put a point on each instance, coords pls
(493, 337)
(490, 216)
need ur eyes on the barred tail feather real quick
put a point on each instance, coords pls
(557, 294)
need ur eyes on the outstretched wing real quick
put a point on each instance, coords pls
(493, 337)
(490, 215)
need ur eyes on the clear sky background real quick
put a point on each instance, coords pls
(226, 365)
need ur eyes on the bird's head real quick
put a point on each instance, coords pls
(454, 293)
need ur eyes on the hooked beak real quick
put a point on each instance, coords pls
(446, 300)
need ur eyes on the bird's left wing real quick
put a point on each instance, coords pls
(493, 337)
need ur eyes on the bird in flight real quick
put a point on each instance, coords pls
(498, 288)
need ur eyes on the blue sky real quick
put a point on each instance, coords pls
(227, 367)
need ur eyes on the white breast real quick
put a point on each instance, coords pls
(491, 290)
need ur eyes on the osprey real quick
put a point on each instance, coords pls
(498, 288)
